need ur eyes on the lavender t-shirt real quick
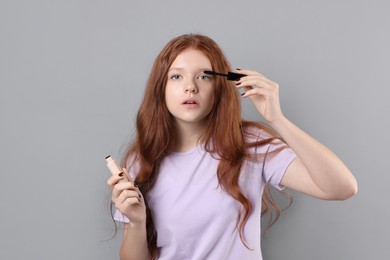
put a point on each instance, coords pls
(195, 219)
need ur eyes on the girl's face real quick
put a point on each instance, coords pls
(189, 92)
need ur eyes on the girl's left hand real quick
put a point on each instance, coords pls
(263, 92)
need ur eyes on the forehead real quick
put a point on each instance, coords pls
(191, 58)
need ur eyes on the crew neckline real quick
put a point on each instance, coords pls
(199, 147)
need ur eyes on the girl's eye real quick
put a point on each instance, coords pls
(175, 77)
(204, 77)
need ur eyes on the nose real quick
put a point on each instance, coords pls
(191, 87)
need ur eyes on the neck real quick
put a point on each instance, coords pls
(188, 136)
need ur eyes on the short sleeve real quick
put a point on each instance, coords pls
(118, 216)
(276, 164)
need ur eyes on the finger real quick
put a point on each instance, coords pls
(124, 195)
(247, 72)
(115, 193)
(125, 186)
(257, 91)
(128, 194)
(140, 197)
(255, 81)
(120, 187)
(246, 88)
(114, 179)
(130, 202)
(123, 207)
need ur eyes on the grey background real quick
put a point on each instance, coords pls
(72, 75)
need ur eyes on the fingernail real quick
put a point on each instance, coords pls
(120, 174)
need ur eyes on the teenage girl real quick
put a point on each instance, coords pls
(197, 174)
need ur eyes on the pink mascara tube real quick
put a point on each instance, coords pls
(114, 168)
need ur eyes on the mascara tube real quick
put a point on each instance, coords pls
(114, 168)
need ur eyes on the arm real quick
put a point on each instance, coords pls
(129, 201)
(134, 245)
(316, 171)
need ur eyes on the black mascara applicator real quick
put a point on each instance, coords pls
(229, 75)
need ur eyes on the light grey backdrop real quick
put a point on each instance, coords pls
(72, 75)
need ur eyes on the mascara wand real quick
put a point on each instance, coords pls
(230, 75)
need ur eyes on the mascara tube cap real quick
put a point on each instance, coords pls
(113, 166)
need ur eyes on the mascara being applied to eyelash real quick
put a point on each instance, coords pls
(230, 75)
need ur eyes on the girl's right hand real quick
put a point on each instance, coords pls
(127, 198)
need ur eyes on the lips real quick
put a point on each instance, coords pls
(190, 101)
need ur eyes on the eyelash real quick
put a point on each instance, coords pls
(205, 77)
(174, 77)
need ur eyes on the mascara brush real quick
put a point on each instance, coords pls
(230, 75)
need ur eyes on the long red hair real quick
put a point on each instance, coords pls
(156, 131)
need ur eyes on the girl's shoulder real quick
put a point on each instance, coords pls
(260, 138)
(256, 131)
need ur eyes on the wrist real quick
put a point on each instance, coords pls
(278, 123)
(137, 225)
